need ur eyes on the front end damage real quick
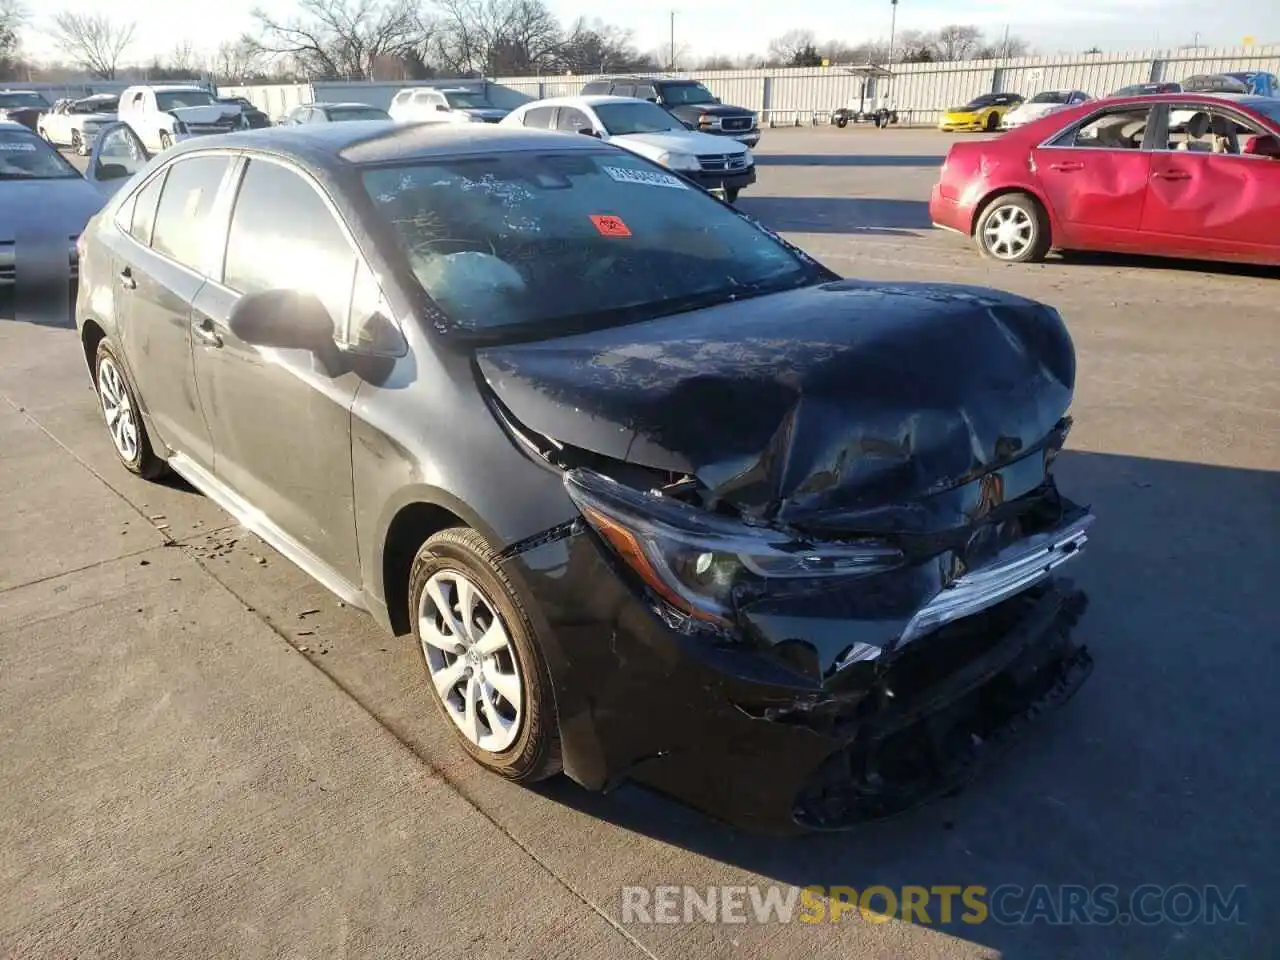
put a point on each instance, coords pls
(836, 626)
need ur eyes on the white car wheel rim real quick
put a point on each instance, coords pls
(117, 410)
(471, 660)
(1008, 232)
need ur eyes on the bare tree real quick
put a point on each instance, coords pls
(92, 40)
(596, 47)
(957, 41)
(785, 49)
(340, 38)
(237, 61)
(13, 17)
(184, 59)
(499, 36)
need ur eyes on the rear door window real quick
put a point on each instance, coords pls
(145, 202)
(182, 216)
(572, 120)
(539, 117)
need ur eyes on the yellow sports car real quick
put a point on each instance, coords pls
(980, 113)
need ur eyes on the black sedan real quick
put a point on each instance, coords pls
(658, 496)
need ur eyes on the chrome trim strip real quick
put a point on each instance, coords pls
(1012, 570)
(254, 519)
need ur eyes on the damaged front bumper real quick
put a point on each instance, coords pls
(758, 732)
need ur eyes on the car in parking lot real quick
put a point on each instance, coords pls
(1143, 89)
(22, 106)
(450, 105)
(1182, 175)
(720, 165)
(44, 206)
(1041, 105)
(333, 113)
(658, 496)
(688, 101)
(75, 123)
(980, 113)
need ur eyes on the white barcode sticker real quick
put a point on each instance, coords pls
(648, 178)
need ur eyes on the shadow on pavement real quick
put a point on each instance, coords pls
(846, 160)
(839, 214)
(1225, 268)
(1160, 771)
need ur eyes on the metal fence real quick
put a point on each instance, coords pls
(809, 94)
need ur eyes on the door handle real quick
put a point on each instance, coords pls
(1171, 175)
(203, 329)
(1067, 166)
(126, 279)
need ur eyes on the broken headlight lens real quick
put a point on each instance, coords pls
(695, 560)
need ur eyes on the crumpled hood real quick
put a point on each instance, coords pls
(209, 113)
(843, 398)
(60, 208)
(485, 113)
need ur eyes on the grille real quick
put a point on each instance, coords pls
(716, 162)
(735, 123)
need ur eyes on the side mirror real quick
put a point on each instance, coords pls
(1265, 145)
(441, 108)
(282, 318)
(588, 132)
(651, 99)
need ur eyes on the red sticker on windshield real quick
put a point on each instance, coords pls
(610, 226)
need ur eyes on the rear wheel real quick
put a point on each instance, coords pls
(124, 419)
(842, 120)
(993, 122)
(1013, 228)
(484, 670)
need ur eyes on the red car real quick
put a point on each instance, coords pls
(1178, 174)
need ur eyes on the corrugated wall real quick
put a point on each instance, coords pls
(808, 94)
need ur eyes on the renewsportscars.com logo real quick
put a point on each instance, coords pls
(1007, 904)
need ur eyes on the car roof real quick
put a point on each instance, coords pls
(340, 103)
(589, 100)
(169, 87)
(332, 145)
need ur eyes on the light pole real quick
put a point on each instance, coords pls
(893, 29)
(671, 60)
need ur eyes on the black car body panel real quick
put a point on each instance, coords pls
(848, 404)
(719, 119)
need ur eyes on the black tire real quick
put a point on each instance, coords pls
(993, 122)
(535, 753)
(842, 122)
(1037, 244)
(77, 144)
(166, 141)
(144, 461)
(731, 194)
(44, 135)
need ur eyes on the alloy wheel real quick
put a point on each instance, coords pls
(471, 660)
(1008, 232)
(118, 410)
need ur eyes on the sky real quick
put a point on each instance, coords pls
(734, 27)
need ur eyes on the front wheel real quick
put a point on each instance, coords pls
(166, 141)
(842, 122)
(77, 144)
(731, 194)
(1013, 228)
(484, 670)
(993, 123)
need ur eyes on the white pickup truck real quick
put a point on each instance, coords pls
(163, 115)
(75, 123)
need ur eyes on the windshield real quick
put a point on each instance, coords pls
(1052, 96)
(337, 114)
(172, 99)
(682, 93)
(639, 116)
(23, 98)
(977, 103)
(467, 100)
(24, 156)
(522, 245)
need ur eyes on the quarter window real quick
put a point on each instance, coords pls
(182, 217)
(284, 237)
(145, 202)
(572, 120)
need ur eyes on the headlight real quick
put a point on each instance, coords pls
(697, 561)
(679, 161)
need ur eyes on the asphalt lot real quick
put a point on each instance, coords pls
(207, 754)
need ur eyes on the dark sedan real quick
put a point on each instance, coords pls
(22, 106)
(658, 496)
